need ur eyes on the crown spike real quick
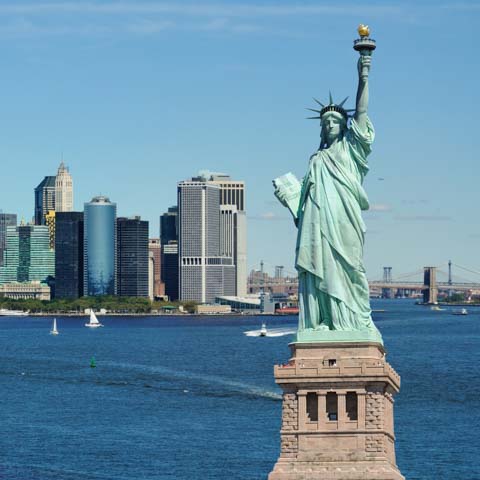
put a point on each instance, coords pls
(330, 97)
(342, 102)
(313, 110)
(314, 118)
(320, 103)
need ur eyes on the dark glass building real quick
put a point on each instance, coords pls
(69, 254)
(100, 239)
(169, 242)
(132, 257)
(44, 199)
(169, 226)
(6, 220)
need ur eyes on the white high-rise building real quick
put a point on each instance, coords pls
(205, 272)
(233, 226)
(63, 190)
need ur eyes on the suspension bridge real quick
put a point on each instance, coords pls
(428, 280)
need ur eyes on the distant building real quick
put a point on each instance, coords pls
(100, 238)
(169, 226)
(132, 257)
(44, 199)
(170, 269)
(50, 223)
(204, 272)
(233, 224)
(25, 290)
(6, 220)
(155, 286)
(169, 244)
(28, 256)
(63, 190)
(69, 255)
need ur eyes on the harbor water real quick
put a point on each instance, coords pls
(184, 397)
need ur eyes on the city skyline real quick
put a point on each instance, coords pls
(155, 111)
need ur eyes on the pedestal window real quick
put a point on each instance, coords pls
(312, 407)
(352, 406)
(332, 406)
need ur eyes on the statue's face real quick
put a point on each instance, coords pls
(333, 125)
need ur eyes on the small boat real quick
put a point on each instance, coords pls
(436, 308)
(463, 311)
(4, 312)
(94, 323)
(263, 330)
(54, 330)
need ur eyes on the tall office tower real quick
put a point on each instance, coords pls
(169, 226)
(169, 243)
(69, 255)
(204, 273)
(233, 225)
(155, 285)
(63, 190)
(28, 256)
(132, 257)
(6, 220)
(44, 199)
(99, 247)
(50, 223)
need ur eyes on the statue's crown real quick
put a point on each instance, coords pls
(331, 107)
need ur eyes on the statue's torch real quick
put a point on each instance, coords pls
(364, 45)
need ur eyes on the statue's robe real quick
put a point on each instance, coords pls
(333, 288)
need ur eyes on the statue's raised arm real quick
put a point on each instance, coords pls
(361, 106)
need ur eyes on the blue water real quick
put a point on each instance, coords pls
(193, 398)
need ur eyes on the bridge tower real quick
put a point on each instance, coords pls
(387, 278)
(430, 291)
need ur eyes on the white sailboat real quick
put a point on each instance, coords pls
(54, 330)
(94, 323)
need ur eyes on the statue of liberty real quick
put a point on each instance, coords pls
(333, 289)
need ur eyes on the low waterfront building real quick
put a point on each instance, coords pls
(212, 309)
(25, 291)
(259, 303)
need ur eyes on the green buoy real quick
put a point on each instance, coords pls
(92, 363)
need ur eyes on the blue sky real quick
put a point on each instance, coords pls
(139, 95)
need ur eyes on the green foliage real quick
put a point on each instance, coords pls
(456, 298)
(110, 303)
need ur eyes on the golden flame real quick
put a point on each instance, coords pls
(363, 30)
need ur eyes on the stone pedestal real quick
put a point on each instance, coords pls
(337, 416)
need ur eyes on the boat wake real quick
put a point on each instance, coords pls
(271, 332)
(230, 387)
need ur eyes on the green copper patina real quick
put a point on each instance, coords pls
(326, 205)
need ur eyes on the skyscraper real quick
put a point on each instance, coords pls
(204, 272)
(6, 220)
(155, 285)
(50, 223)
(63, 190)
(100, 238)
(69, 255)
(132, 257)
(233, 225)
(44, 199)
(28, 255)
(169, 245)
